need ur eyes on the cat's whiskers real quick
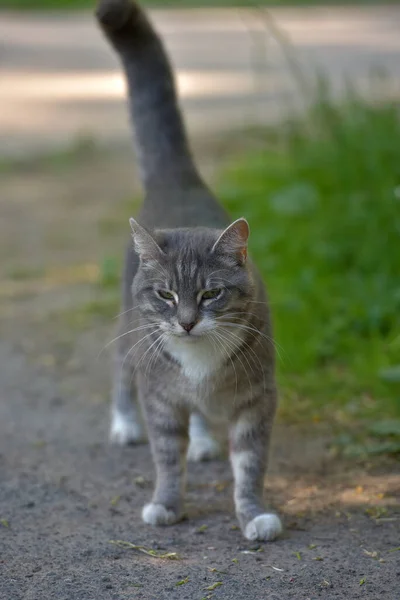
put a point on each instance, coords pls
(243, 313)
(259, 302)
(237, 342)
(256, 332)
(147, 351)
(247, 345)
(271, 340)
(249, 323)
(127, 311)
(158, 349)
(139, 328)
(255, 356)
(145, 337)
(234, 349)
(161, 348)
(249, 328)
(225, 352)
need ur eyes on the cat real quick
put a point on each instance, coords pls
(194, 344)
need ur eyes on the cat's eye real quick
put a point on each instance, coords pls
(166, 295)
(211, 294)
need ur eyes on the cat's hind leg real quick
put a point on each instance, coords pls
(202, 445)
(126, 423)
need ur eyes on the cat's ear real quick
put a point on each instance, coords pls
(145, 244)
(233, 240)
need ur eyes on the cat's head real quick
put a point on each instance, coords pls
(190, 281)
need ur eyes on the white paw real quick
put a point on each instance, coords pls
(203, 448)
(124, 431)
(157, 514)
(265, 528)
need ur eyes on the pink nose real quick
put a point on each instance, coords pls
(187, 326)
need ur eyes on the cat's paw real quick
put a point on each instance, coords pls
(125, 431)
(158, 514)
(203, 448)
(265, 528)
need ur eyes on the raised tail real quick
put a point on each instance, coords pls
(159, 133)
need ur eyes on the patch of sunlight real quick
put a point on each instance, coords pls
(343, 492)
(109, 85)
(51, 279)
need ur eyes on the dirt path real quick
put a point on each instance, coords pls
(65, 493)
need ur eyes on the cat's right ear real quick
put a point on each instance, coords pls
(145, 244)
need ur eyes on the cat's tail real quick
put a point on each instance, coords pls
(159, 133)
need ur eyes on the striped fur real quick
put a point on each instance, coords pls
(194, 344)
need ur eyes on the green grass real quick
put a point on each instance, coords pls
(323, 199)
(76, 4)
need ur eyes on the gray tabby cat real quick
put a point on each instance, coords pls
(195, 338)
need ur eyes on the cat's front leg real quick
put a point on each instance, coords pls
(168, 434)
(249, 442)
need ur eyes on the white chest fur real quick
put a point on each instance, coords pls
(202, 357)
(198, 358)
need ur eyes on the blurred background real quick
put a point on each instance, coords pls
(293, 110)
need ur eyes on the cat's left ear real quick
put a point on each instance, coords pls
(233, 240)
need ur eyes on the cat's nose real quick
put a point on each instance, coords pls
(187, 326)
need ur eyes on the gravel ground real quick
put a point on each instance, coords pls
(65, 493)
